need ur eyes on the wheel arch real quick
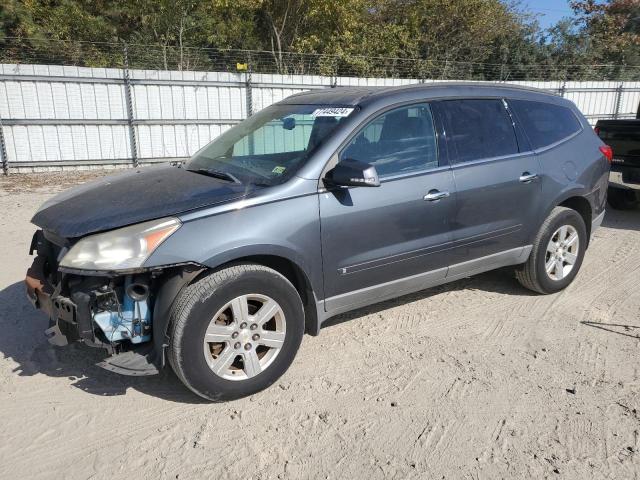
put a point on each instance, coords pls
(581, 205)
(283, 260)
(289, 265)
(298, 278)
(576, 199)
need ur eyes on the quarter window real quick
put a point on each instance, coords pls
(545, 123)
(479, 129)
(400, 141)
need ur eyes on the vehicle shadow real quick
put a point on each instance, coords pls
(23, 341)
(622, 219)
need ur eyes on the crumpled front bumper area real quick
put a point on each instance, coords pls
(38, 289)
(67, 326)
(72, 316)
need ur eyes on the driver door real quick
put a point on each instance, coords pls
(381, 242)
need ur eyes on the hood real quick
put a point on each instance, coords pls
(132, 197)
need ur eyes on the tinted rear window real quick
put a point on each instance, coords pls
(545, 123)
(479, 129)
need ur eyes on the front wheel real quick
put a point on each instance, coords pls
(235, 331)
(557, 254)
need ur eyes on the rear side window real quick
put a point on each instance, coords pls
(479, 129)
(400, 141)
(544, 123)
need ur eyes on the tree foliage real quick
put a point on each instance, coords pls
(437, 38)
(611, 30)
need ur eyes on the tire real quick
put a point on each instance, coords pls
(533, 273)
(620, 199)
(209, 306)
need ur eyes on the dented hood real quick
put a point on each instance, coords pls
(132, 197)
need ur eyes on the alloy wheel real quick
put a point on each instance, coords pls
(562, 252)
(244, 337)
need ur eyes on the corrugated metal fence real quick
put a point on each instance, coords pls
(66, 116)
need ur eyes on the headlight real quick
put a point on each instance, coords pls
(120, 249)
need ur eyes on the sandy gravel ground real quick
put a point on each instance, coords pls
(479, 379)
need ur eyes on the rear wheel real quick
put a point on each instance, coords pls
(557, 254)
(235, 332)
(621, 199)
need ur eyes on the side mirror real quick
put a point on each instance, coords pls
(353, 173)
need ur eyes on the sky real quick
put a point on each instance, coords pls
(549, 11)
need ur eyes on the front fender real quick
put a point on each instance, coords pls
(289, 229)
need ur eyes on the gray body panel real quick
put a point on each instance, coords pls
(283, 222)
(402, 286)
(493, 208)
(376, 235)
(362, 245)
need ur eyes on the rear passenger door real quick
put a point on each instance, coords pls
(496, 177)
(550, 128)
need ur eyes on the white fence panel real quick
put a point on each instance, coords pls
(53, 115)
(630, 100)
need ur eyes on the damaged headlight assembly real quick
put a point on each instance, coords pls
(120, 305)
(121, 249)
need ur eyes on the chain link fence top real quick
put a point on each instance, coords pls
(155, 57)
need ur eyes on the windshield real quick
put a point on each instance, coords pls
(271, 146)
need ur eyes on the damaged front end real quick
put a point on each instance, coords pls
(126, 313)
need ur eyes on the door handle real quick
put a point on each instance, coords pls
(527, 177)
(435, 195)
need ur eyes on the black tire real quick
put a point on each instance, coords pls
(195, 308)
(532, 274)
(621, 199)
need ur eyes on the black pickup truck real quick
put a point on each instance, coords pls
(623, 136)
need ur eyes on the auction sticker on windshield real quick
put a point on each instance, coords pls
(332, 112)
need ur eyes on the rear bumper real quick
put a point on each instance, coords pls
(626, 178)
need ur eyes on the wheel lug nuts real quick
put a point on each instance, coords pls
(247, 346)
(256, 337)
(243, 325)
(237, 345)
(234, 335)
(254, 326)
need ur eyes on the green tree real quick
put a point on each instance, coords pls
(472, 39)
(612, 29)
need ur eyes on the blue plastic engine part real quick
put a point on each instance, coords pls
(132, 322)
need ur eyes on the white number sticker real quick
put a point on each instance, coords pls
(332, 112)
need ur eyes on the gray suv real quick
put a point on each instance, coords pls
(325, 202)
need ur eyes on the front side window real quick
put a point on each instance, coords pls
(545, 123)
(400, 141)
(269, 147)
(479, 129)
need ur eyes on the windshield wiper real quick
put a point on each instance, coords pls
(210, 172)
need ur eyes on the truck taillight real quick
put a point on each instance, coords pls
(607, 151)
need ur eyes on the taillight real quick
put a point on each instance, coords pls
(607, 151)
(597, 130)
